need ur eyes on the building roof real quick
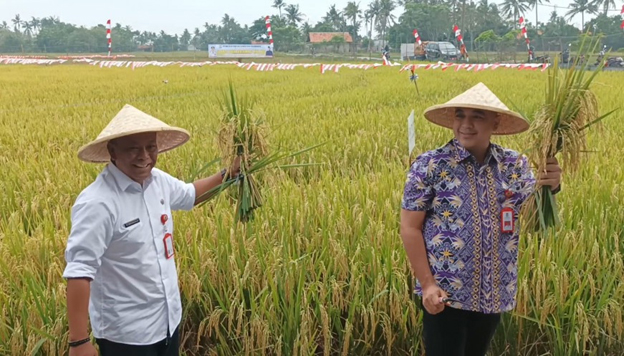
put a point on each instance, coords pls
(319, 37)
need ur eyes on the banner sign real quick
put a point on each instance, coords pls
(240, 51)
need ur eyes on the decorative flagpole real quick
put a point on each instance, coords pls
(460, 38)
(108, 37)
(526, 37)
(269, 32)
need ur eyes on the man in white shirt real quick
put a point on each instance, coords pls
(121, 271)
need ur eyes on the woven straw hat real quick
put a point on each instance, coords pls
(478, 97)
(130, 121)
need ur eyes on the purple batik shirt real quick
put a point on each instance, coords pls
(469, 256)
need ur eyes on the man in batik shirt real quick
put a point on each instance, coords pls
(459, 222)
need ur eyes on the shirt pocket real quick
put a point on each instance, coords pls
(132, 233)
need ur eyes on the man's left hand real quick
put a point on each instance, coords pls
(552, 176)
(234, 170)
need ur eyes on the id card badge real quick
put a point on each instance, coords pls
(507, 220)
(168, 241)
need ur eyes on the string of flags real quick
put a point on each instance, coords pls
(262, 67)
(476, 66)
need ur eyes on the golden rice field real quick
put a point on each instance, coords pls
(322, 270)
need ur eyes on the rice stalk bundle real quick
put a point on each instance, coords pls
(243, 134)
(560, 127)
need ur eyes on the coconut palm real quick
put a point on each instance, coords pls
(35, 24)
(581, 7)
(293, 15)
(372, 14)
(514, 8)
(385, 16)
(352, 12)
(334, 17)
(27, 28)
(17, 23)
(605, 4)
(278, 4)
(535, 3)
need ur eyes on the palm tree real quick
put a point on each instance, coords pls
(27, 28)
(305, 31)
(514, 8)
(605, 4)
(278, 4)
(372, 13)
(293, 14)
(4, 25)
(534, 4)
(334, 17)
(385, 16)
(581, 7)
(454, 6)
(352, 12)
(17, 22)
(34, 24)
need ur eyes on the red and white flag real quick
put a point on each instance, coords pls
(524, 33)
(269, 31)
(460, 39)
(622, 13)
(417, 37)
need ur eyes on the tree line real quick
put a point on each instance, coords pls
(485, 25)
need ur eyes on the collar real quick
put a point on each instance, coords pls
(461, 153)
(123, 181)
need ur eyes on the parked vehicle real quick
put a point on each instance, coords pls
(615, 62)
(441, 50)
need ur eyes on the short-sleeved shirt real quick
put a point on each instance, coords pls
(469, 255)
(116, 239)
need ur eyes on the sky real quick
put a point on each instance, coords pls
(173, 16)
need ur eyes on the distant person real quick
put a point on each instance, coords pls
(459, 222)
(121, 270)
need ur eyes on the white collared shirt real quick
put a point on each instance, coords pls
(116, 239)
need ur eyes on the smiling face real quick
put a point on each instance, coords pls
(135, 155)
(473, 129)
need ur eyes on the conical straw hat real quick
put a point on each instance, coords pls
(130, 121)
(481, 98)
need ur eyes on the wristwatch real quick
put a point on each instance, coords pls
(79, 342)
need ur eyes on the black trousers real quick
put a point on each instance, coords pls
(456, 332)
(167, 347)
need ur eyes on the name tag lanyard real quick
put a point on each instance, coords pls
(168, 238)
(507, 216)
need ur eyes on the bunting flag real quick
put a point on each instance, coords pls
(622, 13)
(108, 37)
(385, 60)
(417, 38)
(262, 67)
(269, 31)
(460, 39)
(475, 67)
(526, 37)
